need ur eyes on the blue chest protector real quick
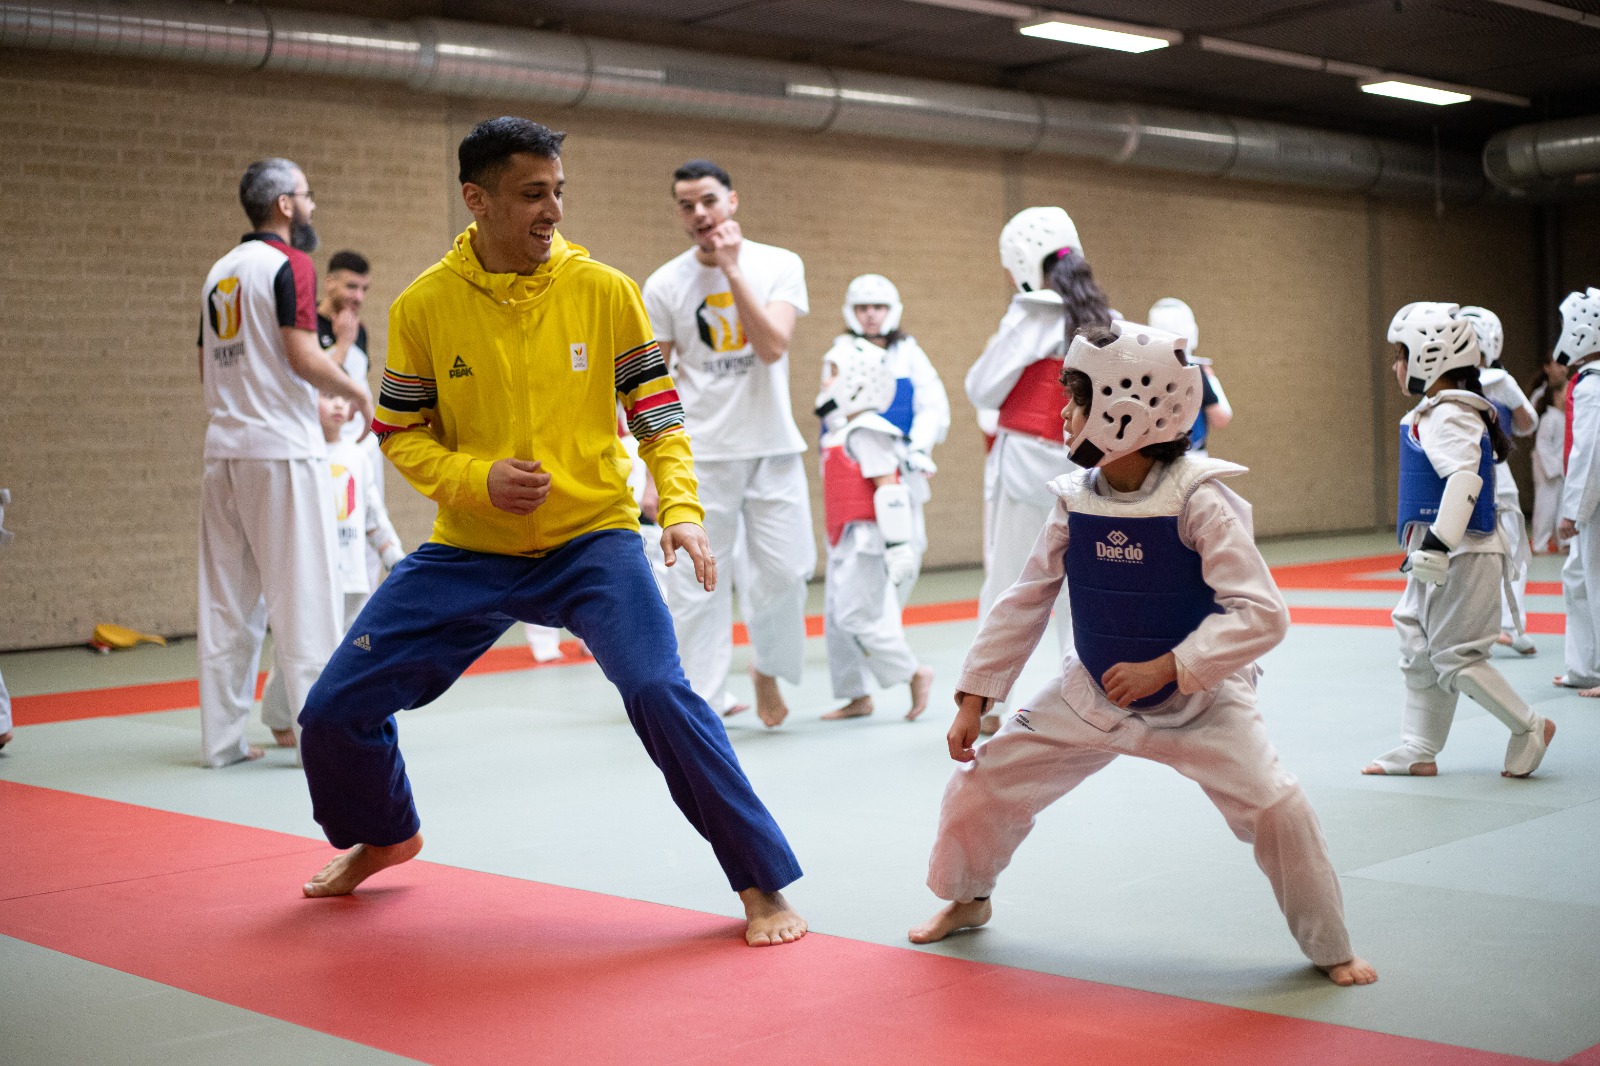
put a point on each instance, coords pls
(1421, 489)
(1136, 592)
(902, 409)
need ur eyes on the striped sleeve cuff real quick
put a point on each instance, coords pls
(649, 399)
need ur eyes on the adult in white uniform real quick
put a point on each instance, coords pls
(1172, 606)
(867, 512)
(1549, 457)
(362, 525)
(267, 542)
(919, 408)
(5, 697)
(1175, 316)
(344, 337)
(1018, 374)
(1579, 350)
(724, 312)
(1447, 617)
(1517, 419)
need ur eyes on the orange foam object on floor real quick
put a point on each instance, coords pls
(453, 966)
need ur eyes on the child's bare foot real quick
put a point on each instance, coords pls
(770, 920)
(283, 737)
(989, 725)
(1416, 769)
(770, 707)
(1592, 693)
(921, 689)
(341, 876)
(1357, 971)
(5, 738)
(859, 707)
(951, 918)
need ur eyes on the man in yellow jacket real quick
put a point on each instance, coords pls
(506, 362)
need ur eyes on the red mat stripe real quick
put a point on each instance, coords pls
(452, 966)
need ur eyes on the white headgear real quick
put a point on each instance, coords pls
(1580, 327)
(1491, 335)
(1436, 339)
(1143, 392)
(1173, 315)
(1031, 235)
(872, 289)
(862, 380)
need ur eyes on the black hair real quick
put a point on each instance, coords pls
(354, 262)
(695, 169)
(262, 183)
(1541, 383)
(1466, 377)
(485, 151)
(1081, 389)
(1086, 306)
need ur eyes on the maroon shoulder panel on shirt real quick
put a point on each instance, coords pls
(295, 288)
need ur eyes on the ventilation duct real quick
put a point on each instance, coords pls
(1545, 158)
(467, 59)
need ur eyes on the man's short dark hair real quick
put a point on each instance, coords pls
(491, 144)
(695, 169)
(354, 262)
(263, 182)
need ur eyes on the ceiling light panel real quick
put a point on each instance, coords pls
(1099, 33)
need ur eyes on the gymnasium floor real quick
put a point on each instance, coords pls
(150, 910)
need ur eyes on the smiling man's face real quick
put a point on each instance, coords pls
(518, 210)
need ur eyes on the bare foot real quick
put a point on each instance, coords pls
(770, 920)
(859, 707)
(921, 688)
(989, 725)
(1416, 769)
(283, 737)
(952, 917)
(1357, 971)
(770, 707)
(1549, 732)
(348, 869)
(5, 738)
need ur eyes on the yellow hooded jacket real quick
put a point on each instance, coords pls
(483, 367)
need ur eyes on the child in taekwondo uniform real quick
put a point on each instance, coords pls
(871, 532)
(1171, 606)
(1449, 615)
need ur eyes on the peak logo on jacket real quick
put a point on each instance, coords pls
(460, 369)
(1116, 549)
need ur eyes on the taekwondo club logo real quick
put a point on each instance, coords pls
(1116, 549)
(222, 305)
(718, 322)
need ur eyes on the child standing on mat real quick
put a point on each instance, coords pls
(1579, 350)
(1448, 616)
(871, 532)
(1549, 457)
(1171, 606)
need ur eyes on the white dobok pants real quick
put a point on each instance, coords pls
(769, 496)
(268, 553)
(1580, 589)
(275, 710)
(1546, 508)
(1045, 751)
(5, 708)
(862, 616)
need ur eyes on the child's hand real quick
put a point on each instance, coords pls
(964, 730)
(1126, 682)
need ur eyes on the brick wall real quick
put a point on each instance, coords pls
(117, 191)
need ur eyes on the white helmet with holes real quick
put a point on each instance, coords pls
(1436, 339)
(1491, 335)
(1144, 392)
(861, 379)
(871, 289)
(1031, 235)
(1580, 327)
(1173, 315)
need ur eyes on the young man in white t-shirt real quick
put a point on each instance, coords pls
(724, 312)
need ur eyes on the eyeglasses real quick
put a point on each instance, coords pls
(308, 194)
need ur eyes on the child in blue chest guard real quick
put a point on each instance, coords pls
(1449, 615)
(1171, 606)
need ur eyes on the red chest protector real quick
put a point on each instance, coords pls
(1566, 445)
(846, 493)
(1035, 403)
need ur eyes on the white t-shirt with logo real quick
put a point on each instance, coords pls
(735, 406)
